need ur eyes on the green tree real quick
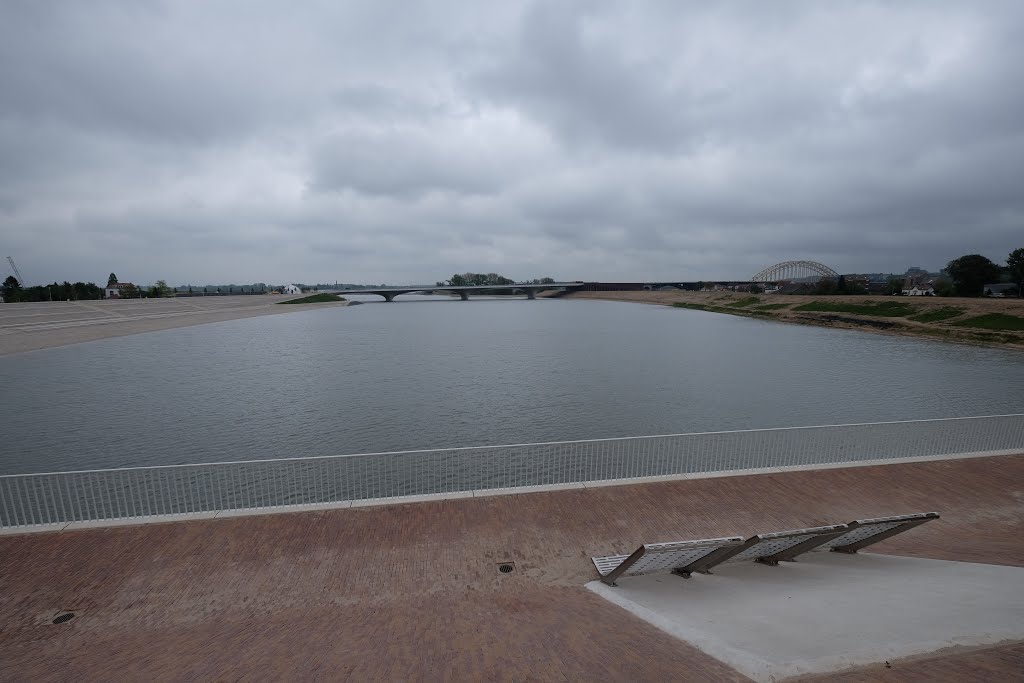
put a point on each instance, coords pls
(970, 273)
(894, 285)
(130, 291)
(754, 289)
(1015, 266)
(85, 290)
(111, 280)
(11, 289)
(826, 286)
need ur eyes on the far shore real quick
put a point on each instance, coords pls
(35, 326)
(938, 318)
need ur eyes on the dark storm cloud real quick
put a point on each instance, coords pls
(392, 142)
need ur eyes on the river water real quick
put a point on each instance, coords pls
(424, 372)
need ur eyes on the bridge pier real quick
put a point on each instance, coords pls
(388, 296)
(531, 294)
(464, 295)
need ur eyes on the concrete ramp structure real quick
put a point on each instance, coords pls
(830, 612)
(823, 612)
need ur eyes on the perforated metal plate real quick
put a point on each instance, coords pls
(663, 557)
(605, 565)
(864, 529)
(770, 544)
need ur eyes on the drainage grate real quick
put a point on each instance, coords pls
(63, 618)
(507, 567)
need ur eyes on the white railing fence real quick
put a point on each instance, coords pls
(57, 497)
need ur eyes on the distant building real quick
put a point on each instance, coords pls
(114, 291)
(920, 290)
(1000, 289)
(291, 289)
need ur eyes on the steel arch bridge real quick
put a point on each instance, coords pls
(793, 270)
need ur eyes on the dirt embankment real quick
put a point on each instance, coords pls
(989, 322)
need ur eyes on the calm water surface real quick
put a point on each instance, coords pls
(422, 373)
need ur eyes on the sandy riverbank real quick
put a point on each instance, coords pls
(919, 321)
(33, 326)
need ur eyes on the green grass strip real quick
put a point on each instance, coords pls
(886, 309)
(936, 315)
(993, 321)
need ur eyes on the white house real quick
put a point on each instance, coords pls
(113, 291)
(920, 290)
(291, 289)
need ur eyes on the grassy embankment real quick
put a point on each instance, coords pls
(321, 298)
(991, 322)
(960, 322)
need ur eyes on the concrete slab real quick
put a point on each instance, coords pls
(511, 491)
(135, 521)
(599, 483)
(892, 461)
(829, 611)
(283, 509)
(35, 529)
(731, 473)
(401, 500)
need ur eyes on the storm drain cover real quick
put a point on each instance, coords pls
(64, 618)
(507, 567)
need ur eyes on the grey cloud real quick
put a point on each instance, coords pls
(402, 164)
(395, 142)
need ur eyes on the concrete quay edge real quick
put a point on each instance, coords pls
(476, 493)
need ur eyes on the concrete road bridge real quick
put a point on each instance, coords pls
(530, 291)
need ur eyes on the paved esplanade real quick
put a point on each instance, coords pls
(389, 293)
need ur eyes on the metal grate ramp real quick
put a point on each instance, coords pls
(687, 557)
(653, 558)
(865, 532)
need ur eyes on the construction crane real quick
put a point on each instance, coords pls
(17, 273)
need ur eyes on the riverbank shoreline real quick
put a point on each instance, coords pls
(421, 590)
(935, 318)
(36, 326)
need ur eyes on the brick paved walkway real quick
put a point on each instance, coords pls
(413, 592)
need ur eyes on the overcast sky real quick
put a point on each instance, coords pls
(400, 142)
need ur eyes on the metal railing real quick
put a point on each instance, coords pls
(115, 494)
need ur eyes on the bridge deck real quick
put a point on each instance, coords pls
(412, 591)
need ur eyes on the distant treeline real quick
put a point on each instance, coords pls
(484, 279)
(66, 291)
